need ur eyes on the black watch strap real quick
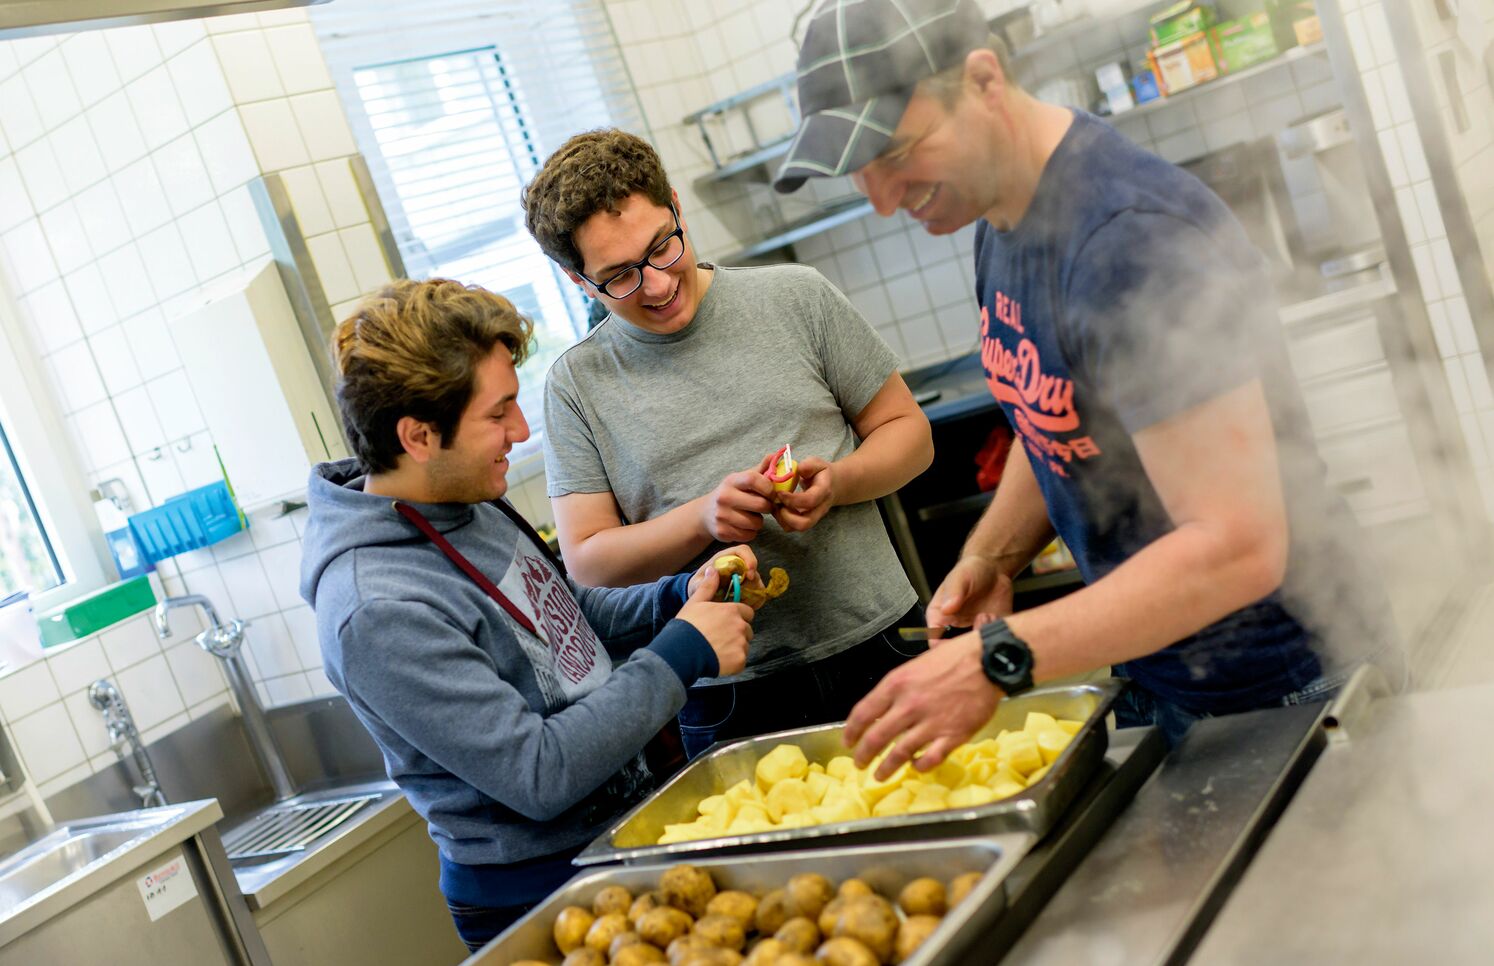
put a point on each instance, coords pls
(1006, 658)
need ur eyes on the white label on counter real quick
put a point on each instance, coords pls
(166, 887)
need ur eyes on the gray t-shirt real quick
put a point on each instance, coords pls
(774, 355)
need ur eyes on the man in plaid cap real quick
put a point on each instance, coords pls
(1130, 334)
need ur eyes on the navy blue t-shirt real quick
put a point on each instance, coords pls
(1127, 295)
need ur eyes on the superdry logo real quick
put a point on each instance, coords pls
(1041, 404)
(573, 643)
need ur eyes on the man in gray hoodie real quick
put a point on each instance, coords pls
(511, 706)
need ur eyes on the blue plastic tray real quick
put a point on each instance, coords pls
(191, 521)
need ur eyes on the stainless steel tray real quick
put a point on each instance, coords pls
(633, 837)
(886, 868)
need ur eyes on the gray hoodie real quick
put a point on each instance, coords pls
(511, 745)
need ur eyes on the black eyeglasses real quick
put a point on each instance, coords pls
(626, 281)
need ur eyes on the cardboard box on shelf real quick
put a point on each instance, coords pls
(1309, 30)
(1184, 63)
(1244, 42)
(1180, 20)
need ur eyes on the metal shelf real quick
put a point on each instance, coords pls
(1280, 60)
(1059, 578)
(746, 167)
(1075, 28)
(814, 223)
(963, 506)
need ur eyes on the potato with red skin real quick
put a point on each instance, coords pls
(571, 926)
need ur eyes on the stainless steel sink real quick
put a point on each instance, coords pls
(69, 852)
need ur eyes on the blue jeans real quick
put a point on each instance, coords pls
(818, 693)
(1138, 707)
(478, 925)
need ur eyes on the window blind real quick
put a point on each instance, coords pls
(455, 105)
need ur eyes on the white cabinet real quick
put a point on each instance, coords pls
(254, 379)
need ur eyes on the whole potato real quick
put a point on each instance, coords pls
(772, 912)
(794, 959)
(584, 956)
(845, 951)
(799, 934)
(530, 962)
(684, 947)
(911, 934)
(711, 956)
(645, 902)
(604, 930)
(741, 906)
(961, 886)
(808, 894)
(638, 954)
(922, 897)
(829, 913)
(854, 887)
(724, 931)
(629, 938)
(872, 922)
(688, 888)
(570, 928)
(765, 953)
(613, 898)
(664, 925)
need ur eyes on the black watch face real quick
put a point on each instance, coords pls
(1007, 659)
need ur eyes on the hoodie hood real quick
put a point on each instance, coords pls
(344, 518)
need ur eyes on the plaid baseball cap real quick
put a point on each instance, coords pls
(858, 65)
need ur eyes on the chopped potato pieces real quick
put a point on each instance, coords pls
(788, 791)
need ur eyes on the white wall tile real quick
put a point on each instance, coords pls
(129, 642)
(91, 66)
(77, 154)
(52, 89)
(77, 377)
(135, 50)
(282, 567)
(208, 241)
(151, 692)
(247, 66)
(248, 587)
(42, 174)
(79, 665)
(235, 546)
(8, 63)
(162, 479)
(88, 721)
(66, 237)
(125, 277)
(324, 126)
(198, 674)
(366, 257)
(85, 287)
(288, 690)
(18, 115)
(26, 690)
(244, 224)
(301, 622)
(307, 200)
(101, 441)
(142, 196)
(270, 648)
(176, 406)
(908, 296)
(298, 58)
(1461, 324)
(151, 344)
(338, 280)
(47, 742)
(166, 261)
(157, 108)
(272, 132)
(115, 359)
(198, 463)
(226, 152)
(177, 35)
(112, 121)
(15, 201)
(180, 164)
(142, 427)
(199, 81)
(50, 314)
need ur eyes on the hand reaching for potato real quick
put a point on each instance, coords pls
(801, 510)
(729, 565)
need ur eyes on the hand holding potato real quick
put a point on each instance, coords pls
(726, 627)
(751, 578)
(733, 512)
(801, 510)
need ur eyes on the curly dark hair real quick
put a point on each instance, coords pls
(412, 349)
(594, 171)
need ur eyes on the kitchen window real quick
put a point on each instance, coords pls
(28, 563)
(455, 108)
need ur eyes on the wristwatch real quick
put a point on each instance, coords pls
(1006, 658)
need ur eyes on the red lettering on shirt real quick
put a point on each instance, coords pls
(573, 644)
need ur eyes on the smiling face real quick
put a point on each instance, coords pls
(609, 241)
(474, 467)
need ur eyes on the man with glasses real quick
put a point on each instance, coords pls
(661, 423)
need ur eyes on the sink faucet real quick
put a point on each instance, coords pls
(224, 641)
(103, 695)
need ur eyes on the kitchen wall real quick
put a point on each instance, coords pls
(125, 159)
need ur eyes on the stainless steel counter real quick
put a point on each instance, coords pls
(1386, 855)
